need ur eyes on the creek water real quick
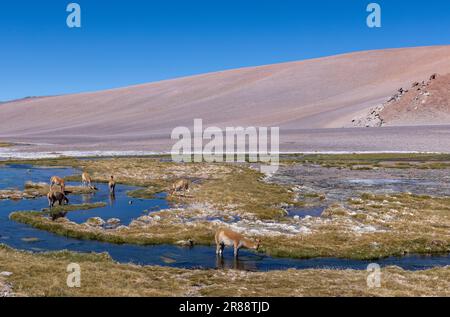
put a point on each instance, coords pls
(126, 209)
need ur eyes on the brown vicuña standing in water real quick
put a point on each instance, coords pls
(55, 196)
(55, 180)
(112, 185)
(86, 179)
(180, 185)
(226, 237)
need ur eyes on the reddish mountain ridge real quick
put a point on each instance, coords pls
(425, 103)
(315, 98)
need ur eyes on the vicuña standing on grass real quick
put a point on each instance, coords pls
(55, 180)
(226, 237)
(112, 186)
(55, 196)
(180, 186)
(86, 180)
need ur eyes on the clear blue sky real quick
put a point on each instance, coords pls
(137, 41)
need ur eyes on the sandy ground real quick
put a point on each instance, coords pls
(309, 100)
(386, 139)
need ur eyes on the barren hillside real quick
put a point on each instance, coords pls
(308, 95)
(424, 103)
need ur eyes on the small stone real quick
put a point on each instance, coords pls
(113, 221)
(136, 224)
(62, 220)
(95, 222)
(7, 274)
(30, 239)
(438, 243)
(145, 219)
(185, 243)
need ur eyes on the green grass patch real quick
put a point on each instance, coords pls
(202, 234)
(5, 144)
(372, 161)
(45, 275)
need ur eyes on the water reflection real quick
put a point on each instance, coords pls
(86, 198)
(112, 199)
(234, 263)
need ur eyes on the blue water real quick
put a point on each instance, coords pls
(18, 235)
(121, 206)
(15, 176)
(302, 212)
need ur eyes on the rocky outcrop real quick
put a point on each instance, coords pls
(424, 103)
(372, 120)
(112, 223)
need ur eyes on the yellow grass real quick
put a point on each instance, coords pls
(46, 275)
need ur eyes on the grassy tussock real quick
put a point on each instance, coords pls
(69, 208)
(161, 233)
(42, 189)
(403, 224)
(372, 161)
(53, 162)
(35, 218)
(244, 190)
(5, 144)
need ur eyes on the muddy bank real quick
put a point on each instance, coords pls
(340, 184)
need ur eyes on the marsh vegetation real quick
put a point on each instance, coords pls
(45, 275)
(372, 206)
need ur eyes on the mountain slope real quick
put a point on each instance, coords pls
(313, 94)
(425, 103)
